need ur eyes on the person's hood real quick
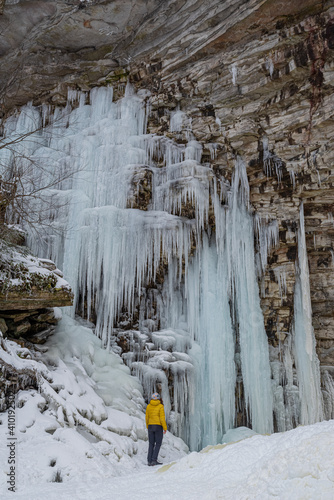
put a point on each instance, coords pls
(155, 402)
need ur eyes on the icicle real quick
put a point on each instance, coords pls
(212, 147)
(210, 322)
(270, 66)
(234, 73)
(271, 162)
(179, 121)
(332, 255)
(253, 340)
(73, 95)
(292, 178)
(193, 151)
(268, 237)
(328, 394)
(280, 275)
(307, 363)
(285, 390)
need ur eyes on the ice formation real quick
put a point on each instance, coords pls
(272, 164)
(200, 332)
(234, 73)
(307, 362)
(280, 275)
(269, 63)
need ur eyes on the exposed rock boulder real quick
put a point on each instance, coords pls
(35, 298)
(30, 289)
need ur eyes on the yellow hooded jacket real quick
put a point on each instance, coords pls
(155, 414)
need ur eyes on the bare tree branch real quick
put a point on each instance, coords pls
(29, 184)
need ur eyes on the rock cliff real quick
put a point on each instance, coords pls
(29, 290)
(254, 78)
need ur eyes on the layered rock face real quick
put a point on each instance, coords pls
(254, 79)
(263, 90)
(30, 289)
(259, 84)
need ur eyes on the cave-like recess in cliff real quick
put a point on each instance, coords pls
(176, 274)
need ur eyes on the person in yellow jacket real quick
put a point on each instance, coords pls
(156, 425)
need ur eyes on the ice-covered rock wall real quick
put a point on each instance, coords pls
(175, 273)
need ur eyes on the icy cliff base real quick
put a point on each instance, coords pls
(179, 261)
(87, 421)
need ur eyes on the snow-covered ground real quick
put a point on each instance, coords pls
(86, 422)
(297, 464)
(82, 436)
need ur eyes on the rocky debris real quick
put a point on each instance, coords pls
(35, 326)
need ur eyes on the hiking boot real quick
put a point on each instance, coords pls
(155, 462)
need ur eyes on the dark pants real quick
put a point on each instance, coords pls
(155, 434)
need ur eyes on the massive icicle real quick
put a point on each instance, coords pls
(209, 320)
(245, 293)
(307, 362)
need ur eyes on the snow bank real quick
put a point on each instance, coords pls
(297, 465)
(87, 422)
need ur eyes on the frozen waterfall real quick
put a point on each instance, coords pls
(189, 292)
(307, 362)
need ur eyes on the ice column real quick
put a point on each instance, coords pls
(209, 320)
(306, 359)
(254, 350)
